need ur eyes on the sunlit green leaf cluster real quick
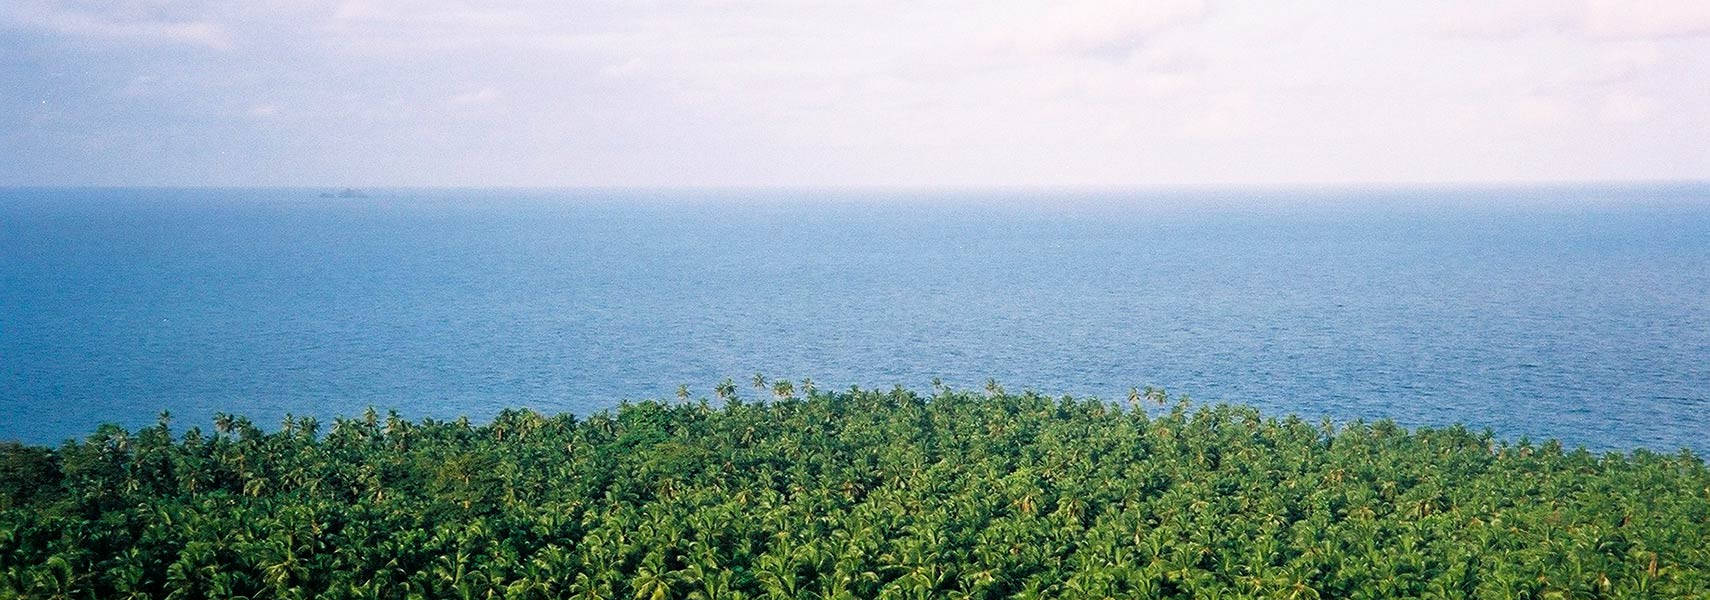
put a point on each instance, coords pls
(848, 495)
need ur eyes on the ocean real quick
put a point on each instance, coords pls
(1580, 313)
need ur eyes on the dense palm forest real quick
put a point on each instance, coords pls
(857, 494)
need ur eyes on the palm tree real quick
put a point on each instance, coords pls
(759, 381)
(682, 393)
(223, 423)
(1157, 395)
(309, 425)
(844, 495)
(725, 390)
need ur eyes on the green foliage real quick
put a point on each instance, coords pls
(848, 495)
(26, 474)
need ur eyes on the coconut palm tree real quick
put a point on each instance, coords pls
(844, 495)
(223, 423)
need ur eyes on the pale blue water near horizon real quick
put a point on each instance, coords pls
(1570, 312)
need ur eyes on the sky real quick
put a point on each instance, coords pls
(850, 93)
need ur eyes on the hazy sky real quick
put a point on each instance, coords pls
(858, 92)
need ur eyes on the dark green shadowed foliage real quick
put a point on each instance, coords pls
(848, 495)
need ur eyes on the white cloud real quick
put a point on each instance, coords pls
(626, 68)
(1539, 110)
(1647, 19)
(485, 95)
(115, 25)
(1502, 19)
(1626, 108)
(1105, 28)
(1225, 117)
(892, 91)
(140, 85)
(1597, 19)
(1622, 61)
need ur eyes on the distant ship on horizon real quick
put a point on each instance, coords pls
(345, 193)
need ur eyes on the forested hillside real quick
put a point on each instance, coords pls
(855, 494)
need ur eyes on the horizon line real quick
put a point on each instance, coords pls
(1320, 185)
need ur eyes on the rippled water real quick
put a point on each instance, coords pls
(1575, 313)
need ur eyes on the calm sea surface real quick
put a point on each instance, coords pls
(1570, 312)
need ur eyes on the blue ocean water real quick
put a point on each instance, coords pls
(1578, 313)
